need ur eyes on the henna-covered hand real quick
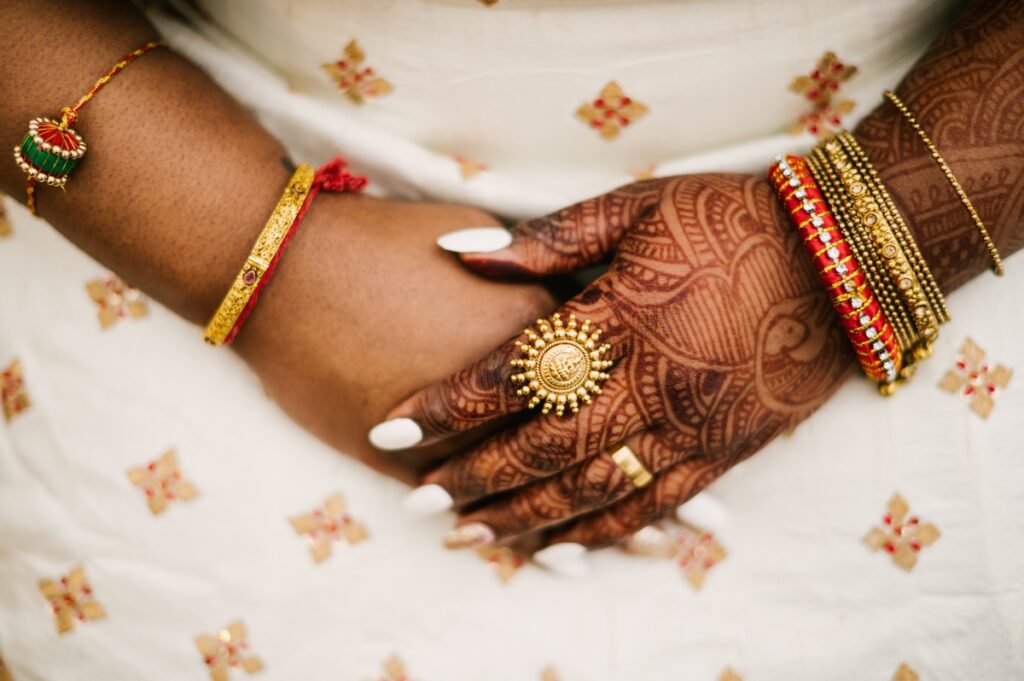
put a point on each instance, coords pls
(721, 335)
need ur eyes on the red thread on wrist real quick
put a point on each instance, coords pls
(333, 177)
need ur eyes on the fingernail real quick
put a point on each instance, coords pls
(704, 511)
(427, 499)
(567, 559)
(475, 240)
(651, 541)
(396, 434)
(469, 536)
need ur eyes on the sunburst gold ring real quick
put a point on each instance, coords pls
(626, 459)
(561, 365)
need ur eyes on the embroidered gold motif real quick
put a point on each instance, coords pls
(115, 300)
(506, 561)
(976, 380)
(71, 600)
(358, 82)
(549, 673)
(905, 673)
(394, 670)
(821, 88)
(5, 221)
(696, 551)
(5, 673)
(12, 391)
(162, 482)
(326, 525)
(901, 535)
(729, 675)
(468, 168)
(228, 650)
(644, 173)
(611, 111)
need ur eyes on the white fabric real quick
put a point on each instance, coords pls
(798, 597)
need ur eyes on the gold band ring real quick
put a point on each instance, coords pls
(626, 459)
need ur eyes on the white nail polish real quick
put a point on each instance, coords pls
(567, 559)
(475, 240)
(427, 500)
(704, 511)
(469, 536)
(396, 434)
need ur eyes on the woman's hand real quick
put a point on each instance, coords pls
(722, 339)
(363, 310)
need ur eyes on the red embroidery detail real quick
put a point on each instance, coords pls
(821, 88)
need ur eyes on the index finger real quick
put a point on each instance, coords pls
(485, 390)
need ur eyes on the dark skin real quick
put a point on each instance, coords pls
(721, 330)
(362, 301)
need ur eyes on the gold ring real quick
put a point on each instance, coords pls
(561, 364)
(626, 459)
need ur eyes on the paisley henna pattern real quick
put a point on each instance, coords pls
(723, 335)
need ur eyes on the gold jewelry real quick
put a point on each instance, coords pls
(877, 223)
(561, 365)
(903, 235)
(997, 261)
(627, 460)
(844, 213)
(263, 252)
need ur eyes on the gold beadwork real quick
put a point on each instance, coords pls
(997, 261)
(262, 254)
(561, 364)
(626, 459)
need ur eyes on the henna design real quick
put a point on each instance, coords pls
(727, 337)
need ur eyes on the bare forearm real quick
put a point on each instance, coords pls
(178, 178)
(966, 93)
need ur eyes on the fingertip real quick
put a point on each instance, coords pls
(396, 433)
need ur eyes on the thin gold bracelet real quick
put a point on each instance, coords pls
(989, 244)
(262, 254)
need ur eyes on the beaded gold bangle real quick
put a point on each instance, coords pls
(263, 253)
(997, 261)
(903, 234)
(875, 222)
(875, 271)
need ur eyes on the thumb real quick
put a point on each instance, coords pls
(567, 240)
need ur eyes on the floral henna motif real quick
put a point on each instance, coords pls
(725, 340)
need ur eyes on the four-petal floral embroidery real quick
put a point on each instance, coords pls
(162, 482)
(358, 82)
(394, 670)
(71, 600)
(327, 525)
(976, 380)
(901, 535)
(12, 391)
(905, 673)
(695, 550)
(611, 111)
(821, 88)
(228, 649)
(506, 561)
(115, 300)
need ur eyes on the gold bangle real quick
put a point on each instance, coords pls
(845, 217)
(864, 196)
(931, 288)
(626, 459)
(997, 261)
(262, 254)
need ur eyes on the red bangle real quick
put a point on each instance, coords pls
(862, 317)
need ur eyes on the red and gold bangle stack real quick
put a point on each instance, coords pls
(860, 313)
